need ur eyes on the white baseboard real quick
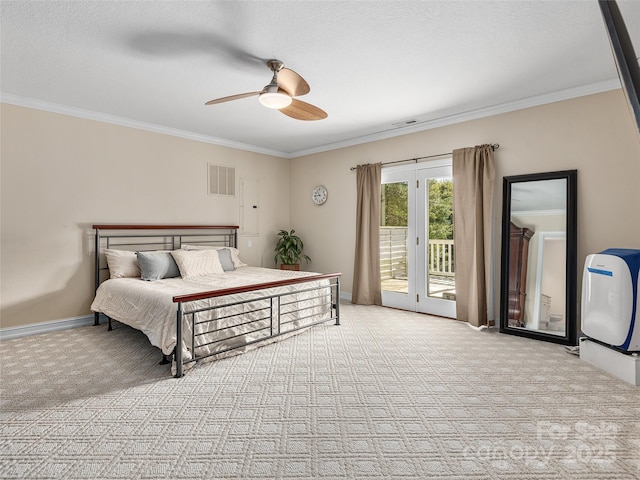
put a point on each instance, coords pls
(44, 327)
(67, 323)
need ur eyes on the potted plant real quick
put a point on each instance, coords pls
(289, 250)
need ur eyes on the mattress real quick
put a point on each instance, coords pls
(149, 307)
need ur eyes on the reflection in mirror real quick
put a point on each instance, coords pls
(538, 271)
(547, 306)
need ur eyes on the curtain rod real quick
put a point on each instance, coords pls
(494, 146)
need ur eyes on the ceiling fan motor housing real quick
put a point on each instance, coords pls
(275, 65)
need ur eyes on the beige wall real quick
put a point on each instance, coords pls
(61, 174)
(592, 134)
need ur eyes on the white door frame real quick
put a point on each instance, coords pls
(537, 305)
(417, 238)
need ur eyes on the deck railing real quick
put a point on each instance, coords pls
(393, 254)
(441, 258)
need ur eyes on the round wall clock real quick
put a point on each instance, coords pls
(319, 195)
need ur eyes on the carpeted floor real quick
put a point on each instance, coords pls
(388, 394)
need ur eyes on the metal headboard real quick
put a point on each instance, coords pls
(139, 238)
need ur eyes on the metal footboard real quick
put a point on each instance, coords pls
(213, 323)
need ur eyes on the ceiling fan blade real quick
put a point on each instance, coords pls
(303, 111)
(292, 83)
(232, 97)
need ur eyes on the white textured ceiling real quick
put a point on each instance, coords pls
(370, 64)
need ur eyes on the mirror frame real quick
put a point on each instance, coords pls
(569, 338)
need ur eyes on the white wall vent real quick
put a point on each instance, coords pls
(222, 180)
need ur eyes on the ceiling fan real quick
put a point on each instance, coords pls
(279, 94)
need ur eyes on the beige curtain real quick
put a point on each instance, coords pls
(473, 180)
(366, 288)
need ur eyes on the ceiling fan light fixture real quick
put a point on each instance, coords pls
(275, 100)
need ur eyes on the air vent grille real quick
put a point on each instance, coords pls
(404, 123)
(222, 180)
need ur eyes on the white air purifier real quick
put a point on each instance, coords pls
(611, 300)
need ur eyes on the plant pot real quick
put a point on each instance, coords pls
(295, 266)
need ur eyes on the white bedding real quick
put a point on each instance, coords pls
(148, 306)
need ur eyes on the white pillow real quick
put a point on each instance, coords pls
(235, 253)
(122, 263)
(195, 263)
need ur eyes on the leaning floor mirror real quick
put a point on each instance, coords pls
(538, 272)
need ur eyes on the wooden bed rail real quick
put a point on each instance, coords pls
(249, 288)
(163, 227)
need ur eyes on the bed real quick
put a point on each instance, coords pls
(187, 289)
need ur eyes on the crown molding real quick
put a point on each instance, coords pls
(539, 213)
(125, 122)
(419, 126)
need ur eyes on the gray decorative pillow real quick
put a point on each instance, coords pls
(226, 261)
(157, 265)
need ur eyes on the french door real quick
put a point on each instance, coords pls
(416, 238)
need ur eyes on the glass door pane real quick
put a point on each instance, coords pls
(394, 227)
(398, 238)
(440, 251)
